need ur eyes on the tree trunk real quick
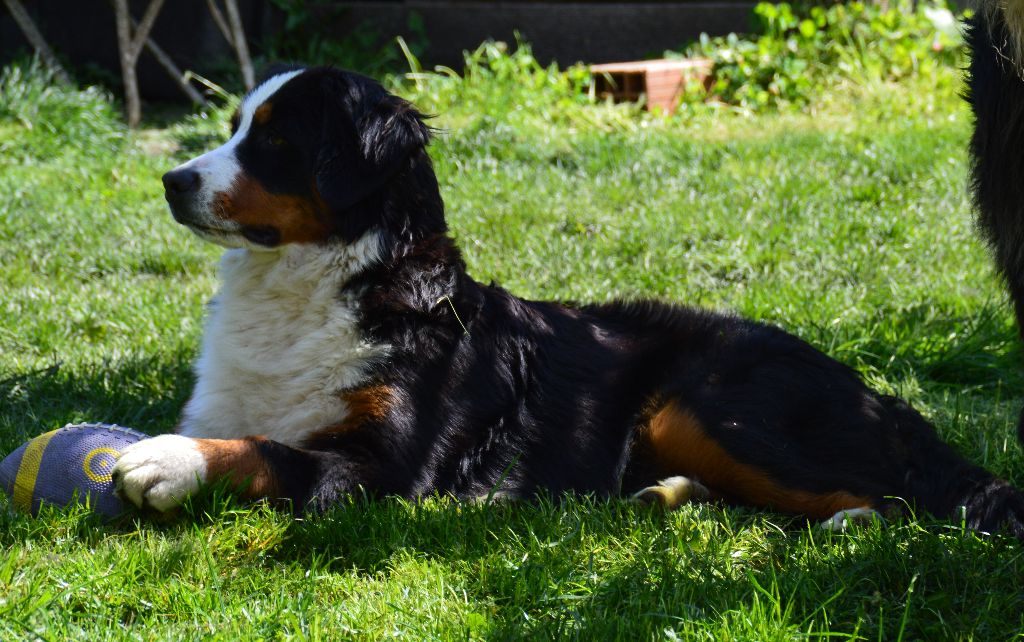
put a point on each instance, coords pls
(35, 38)
(130, 47)
(238, 40)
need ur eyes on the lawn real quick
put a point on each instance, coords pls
(846, 222)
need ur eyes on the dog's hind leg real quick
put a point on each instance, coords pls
(703, 465)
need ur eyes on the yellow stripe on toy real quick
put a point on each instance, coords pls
(25, 480)
(68, 465)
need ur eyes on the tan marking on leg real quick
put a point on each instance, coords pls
(262, 114)
(680, 444)
(370, 403)
(241, 463)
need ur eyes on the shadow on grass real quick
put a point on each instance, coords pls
(982, 350)
(596, 569)
(592, 569)
(142, 393)
(883, 584)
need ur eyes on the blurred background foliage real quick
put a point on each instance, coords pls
(805, 50)
(794, 57)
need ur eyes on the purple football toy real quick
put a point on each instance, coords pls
(73, 462)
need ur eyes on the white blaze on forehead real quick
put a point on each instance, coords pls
(218, 169)
(258, 96)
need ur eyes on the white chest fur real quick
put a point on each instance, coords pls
(280, 343)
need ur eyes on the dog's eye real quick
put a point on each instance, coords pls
(275, 141)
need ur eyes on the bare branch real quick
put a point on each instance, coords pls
(35, 38)
(241, 47)
(132, 103)
(173, 71)
(145, 25)
(130, 48)
(162, 58)
(218, 18)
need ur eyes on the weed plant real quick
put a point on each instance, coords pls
(803, 50)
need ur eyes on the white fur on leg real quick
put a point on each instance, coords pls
(842, 520)
(160, 472)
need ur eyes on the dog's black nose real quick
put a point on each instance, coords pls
(178, 182)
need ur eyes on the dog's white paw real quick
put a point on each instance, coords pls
(673, 492)
(160, 472)
(844, 519)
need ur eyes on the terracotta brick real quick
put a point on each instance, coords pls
(661, 81)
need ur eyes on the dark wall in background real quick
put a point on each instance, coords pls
(566, 32)
(83, 34)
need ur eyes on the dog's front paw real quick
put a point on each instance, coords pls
(160, 472)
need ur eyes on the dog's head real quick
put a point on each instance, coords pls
(315, 155)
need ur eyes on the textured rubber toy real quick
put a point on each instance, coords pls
(69, 464)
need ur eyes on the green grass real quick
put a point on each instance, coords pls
(848, 225)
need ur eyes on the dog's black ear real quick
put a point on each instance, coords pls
(368, 136)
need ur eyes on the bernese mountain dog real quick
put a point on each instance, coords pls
(995, 36)
(348, 350)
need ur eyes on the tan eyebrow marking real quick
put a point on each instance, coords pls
(262, 113)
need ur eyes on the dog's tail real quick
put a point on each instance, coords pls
(940, 481)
